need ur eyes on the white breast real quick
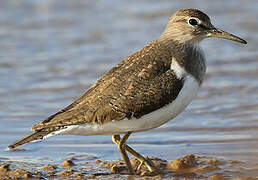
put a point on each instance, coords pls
(146, 122)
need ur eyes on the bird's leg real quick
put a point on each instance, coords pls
(121, 146)
(148, 163)
(150, 166)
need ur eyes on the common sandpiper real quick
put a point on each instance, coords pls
(145, 90)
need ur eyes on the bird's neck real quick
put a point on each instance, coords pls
(188, 55)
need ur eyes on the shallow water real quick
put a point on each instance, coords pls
(52, 51)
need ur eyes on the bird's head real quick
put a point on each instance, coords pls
(191, 25)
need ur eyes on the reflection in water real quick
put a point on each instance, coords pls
(52, 51)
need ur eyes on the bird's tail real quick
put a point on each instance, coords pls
(40, 134)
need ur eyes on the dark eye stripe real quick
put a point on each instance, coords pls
(202, 26)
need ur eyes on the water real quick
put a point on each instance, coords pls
(52, 51)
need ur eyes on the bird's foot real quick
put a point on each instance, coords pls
(153, 170)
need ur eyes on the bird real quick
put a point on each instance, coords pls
(143, 91)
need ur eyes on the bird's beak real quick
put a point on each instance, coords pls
(225, 35)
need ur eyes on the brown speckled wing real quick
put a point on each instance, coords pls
(139, 84)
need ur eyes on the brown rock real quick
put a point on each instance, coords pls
(50, 174)
(77, 176)
(97, 161)
(235, 162)
(68, 163)
(106, 164)
(159, 163)
(215, 162)
(65, 173)
(189, 161)
(21, 173)
(49, 167)
(119, 169)
(4, 168)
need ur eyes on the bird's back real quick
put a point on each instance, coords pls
(114, 96)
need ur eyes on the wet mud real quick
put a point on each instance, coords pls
(81, 167)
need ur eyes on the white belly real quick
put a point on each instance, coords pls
(146, 122)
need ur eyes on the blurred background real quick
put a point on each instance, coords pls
(52, 51)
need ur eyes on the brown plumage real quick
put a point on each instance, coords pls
(126, 90)
(141, 83)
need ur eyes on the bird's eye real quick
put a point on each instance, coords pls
(193, 22)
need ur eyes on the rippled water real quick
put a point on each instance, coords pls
(52, 51)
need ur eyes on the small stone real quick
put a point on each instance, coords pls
(4, 168)
(97, 161)
(21, 173)
(119, 169)
(65, 173)
(86, 162)
(50, 174)
(27, 175)
(189, 161)
(49, 167)
(68, 163)
(106, 164)
(235, 162)
(77, 176)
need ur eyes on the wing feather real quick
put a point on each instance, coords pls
(139, 84)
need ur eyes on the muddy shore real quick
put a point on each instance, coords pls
(79, 166)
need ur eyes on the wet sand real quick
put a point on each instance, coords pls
(84, 167)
